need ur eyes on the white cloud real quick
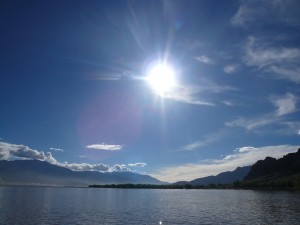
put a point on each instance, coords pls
(99, 167)
(12, 151)
(230, 69)
(244, 157)
(86, 167)
(204, 59)
(56, 149)
(4, 151)
(285, 104)
(121, 168)
(105, 147)
(245, 149)
(137, 164)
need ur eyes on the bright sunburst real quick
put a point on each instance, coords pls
(161, 78)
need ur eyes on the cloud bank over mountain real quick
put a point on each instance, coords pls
(21, 152)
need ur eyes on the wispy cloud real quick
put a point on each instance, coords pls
(137, 164)
(269, 53)
(189, 95)
(243, 156)
(260, 55)
(204, 59)
(285, 104)
(292, 74)
(253, 123)
(230, 69)
(244, 15)
(105, 77)
(205, 141)
(228, 103)
(105, 147)
(192, 94)
(194, 145)
(254, 12)
(289, 128)
(281, 62)
(56, 149)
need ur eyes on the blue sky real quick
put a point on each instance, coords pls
(74, 89)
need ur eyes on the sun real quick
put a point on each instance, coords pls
(161, 78)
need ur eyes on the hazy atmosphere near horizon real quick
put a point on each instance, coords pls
(174, 89)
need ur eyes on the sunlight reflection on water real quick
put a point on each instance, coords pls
(37, 205)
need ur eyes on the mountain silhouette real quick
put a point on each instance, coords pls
(35, 172)
(275, 173)
(222, 178)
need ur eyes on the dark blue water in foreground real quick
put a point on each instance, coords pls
(43, 205)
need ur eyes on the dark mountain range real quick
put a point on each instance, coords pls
(222, 178)
(283, 172)
(35, 172)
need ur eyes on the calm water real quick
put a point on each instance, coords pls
(41, 205)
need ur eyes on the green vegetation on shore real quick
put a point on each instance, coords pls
(281, 184)
(166, 186)
(289, 182)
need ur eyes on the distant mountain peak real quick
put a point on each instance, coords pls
(223, 178)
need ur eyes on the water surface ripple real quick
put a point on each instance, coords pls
(46, 205)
